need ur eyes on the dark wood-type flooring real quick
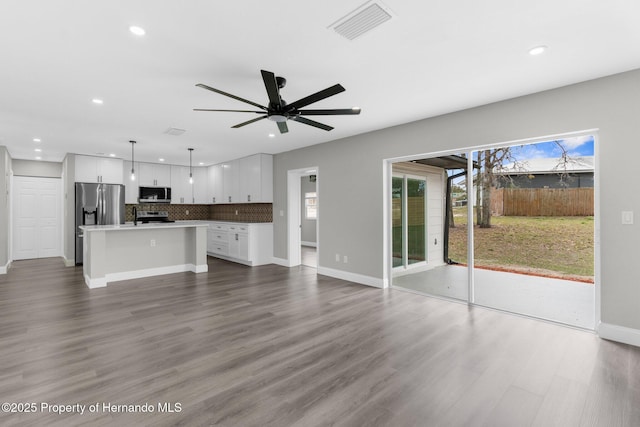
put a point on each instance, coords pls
(272, 346)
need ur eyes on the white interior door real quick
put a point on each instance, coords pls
(37, 222)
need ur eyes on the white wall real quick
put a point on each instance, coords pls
(609, 104)
(36, 168)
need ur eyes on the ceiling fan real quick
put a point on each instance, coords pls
(279, 111)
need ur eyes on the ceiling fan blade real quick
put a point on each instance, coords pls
(239, 125)
(271, 85)
(230, 111)
(341, 111)
(311, 123)
(318, 96)
(283, 127)
(230, 96)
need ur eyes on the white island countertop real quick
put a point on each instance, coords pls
(127, 251)
(151, 225)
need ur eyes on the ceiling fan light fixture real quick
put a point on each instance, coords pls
(277, 118)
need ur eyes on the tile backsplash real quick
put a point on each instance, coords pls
(242, 212)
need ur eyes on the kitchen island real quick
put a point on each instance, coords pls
(127, 251)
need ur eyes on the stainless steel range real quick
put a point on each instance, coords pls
(146, 217)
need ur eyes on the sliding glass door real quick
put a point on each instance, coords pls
(409, 220)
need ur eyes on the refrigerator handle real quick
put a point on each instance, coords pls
(100, 207)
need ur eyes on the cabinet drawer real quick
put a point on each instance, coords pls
(219, 248)
(221, 227)
(239, 228)
(218, 236)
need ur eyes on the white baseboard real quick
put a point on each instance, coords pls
(138, 274)
(281, 261)
(619, 333)
(310, 244)
(69, 262)
(353, 277)
(95, 283)
(199, 268)
(5, 268)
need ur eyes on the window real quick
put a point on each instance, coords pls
(310, 205)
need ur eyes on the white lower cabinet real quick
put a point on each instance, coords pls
(249, 244)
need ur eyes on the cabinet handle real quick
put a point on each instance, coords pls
(214, 199)
(236, 237)
(229, 199)
(248, 197)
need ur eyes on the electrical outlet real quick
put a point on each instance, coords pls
(186, 212)
(152, 242)
(345, 259)
(337, 257)
(627, 217)
(236, 211)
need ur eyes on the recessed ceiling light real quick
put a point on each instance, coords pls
(112, 155)
(97, 101)
(38, 158)
(161, 160)
(138, 31)
(38, 150)
(537, 50)
(36, 140)
(272, 135)
(201, 163)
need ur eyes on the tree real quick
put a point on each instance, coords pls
(489, 162)
(503, 160)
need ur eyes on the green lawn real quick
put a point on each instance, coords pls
(560, 246)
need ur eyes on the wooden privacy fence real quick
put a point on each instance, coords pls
(542, 201)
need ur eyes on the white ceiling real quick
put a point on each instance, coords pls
(431, 58)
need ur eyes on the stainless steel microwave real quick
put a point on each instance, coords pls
(154, 195)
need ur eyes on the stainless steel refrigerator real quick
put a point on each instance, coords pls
(97, 204)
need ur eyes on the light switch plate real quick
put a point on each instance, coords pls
(627, 217)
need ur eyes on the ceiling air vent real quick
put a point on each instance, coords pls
(174, 131)
(363, 19)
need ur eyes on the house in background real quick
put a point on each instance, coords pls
(547, 173)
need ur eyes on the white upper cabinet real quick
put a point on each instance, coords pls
(245, 180)
(181, 191)
(98, 170)
(200, 186)
(256, 178)
(130, 187)
(215, 186)
(231, 182)
(154, 175)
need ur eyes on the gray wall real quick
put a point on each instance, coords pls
(5, 174)
(36, 168)
(308, 225)
(610, 104)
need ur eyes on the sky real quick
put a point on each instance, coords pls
(576, 147)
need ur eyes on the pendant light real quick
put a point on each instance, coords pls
(190, 168)
(133, 172)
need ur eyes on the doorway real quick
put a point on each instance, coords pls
(303, 195)
(37, 219)
(308, 220)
